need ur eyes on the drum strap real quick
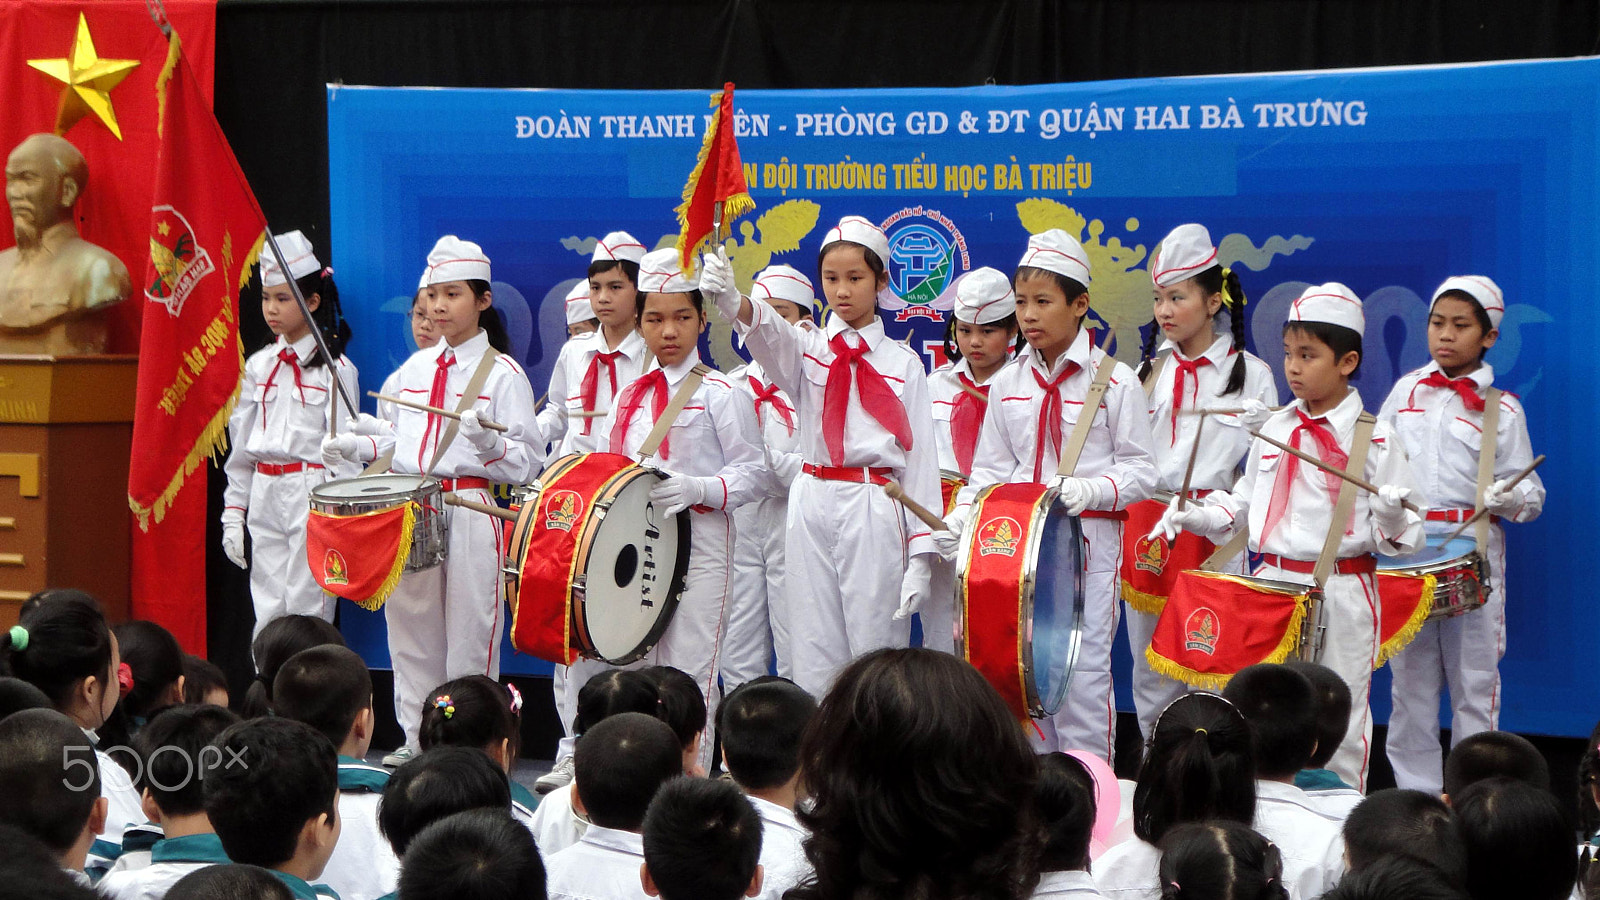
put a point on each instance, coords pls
(680, 399)
(1091, 405)
(1486, 460)
(1360, 443)
(1155, 373)
(1227, 551)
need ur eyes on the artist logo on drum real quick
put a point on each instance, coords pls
(1150, 555)
(562, 510)
(999, 536)
(1201, 632)
(334, 569)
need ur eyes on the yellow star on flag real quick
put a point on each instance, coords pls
(87, 80)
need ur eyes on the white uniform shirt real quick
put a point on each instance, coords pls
(1443, 439)
(171, 859)
(780, 437)
(556, 825)
(1074, 885)
(944, 388)
(363, 865)
(604, 865)
(797, 360)
(506, 398)
(1335, 803)
(1117, 454)
(1225, 440)
(1130, 870)
(557, 422)
(714, 436)
(783, 860)
(278, 420)
(1301, 532)
(1311, 845)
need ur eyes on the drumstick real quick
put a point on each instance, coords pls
(973, 391)
(492, 426)
(485, 508)
(1202, 411)
(588, 414)
(1188, 473)
(1511, 484)
(893, 489)
(1362, 483)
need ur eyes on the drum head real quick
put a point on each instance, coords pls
(1056, 631)
(1435, 552)
(634, 573)
(368, 487)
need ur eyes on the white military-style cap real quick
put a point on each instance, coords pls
(1058, 252)
(297, 254)
(1332, 303)
(984, 296)
(660, 273)
(618, 245)
(785, 283)
(578, 308)
(453, 259)
(1480, 288)
(858, 230)
(1184, 253)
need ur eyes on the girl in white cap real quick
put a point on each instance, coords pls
(865, 418)
(1188, 366)
(981, 337)
(1288, 504)
(277, 428)
(1438, 412)
(1041, 397)
(758, 630)
(580, 313)
(446, 622)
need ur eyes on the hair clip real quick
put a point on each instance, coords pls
(1201, 731)
(19, 637)
(516, 699)
(444, 702)
(125, 679)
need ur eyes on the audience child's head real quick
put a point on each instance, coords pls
(62, 645)
(203, 682)
(156, 661)
(619, 764)
(1396, 878)
(761, 724)
(1220, 861)
(173, 747)
(1518, 841)
(1490, 753)
(1333, 709)
(615, 691)
(278, 640)
(683, 708)
(17, 695)
(330, 689)
(702, 841)
(481, 854)
(912, 797)
(30, 869)
(1065, 800)
(1405, 823)
(50, 782)
(231, 882)
(1199, 765)
(475, 711)
(438, 783)
(272, 795)
(1281, 707)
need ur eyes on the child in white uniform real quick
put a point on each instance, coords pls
(1040, 400)
(277, 429)
(580, 313)
(1438, 413)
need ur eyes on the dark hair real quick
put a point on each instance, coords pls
(1333, 709)
(1281, 707)
(271, 778)
(615, 691)
(17, 695)
(628, 267)
(1489, 753)
(33, 870)
(1215, 280)
(478, 714)
(68, 641)
(1339, 339)
(952, 348)
(915, 798)
(438, 783)
(489, 317)
(172, 748)
(1199, 765)
(1479, 314)
(696, 299)
(49, 777)
(201, 677)
(620, 763)
(230, 882)
(278, 640)
(1396, 878)
(683, 707)
(1405, 823)
(328, 315)
(879, 267)
(326, 687)
(1071, 287)
(1065, 798)
(761, 724)
(155, 658)
(1220, 860)
(1517, 839)
(702, 840)
(481, 854)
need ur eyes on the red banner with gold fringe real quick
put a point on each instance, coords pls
(1213, 625)
(1150, 566)
(717, 179)
(360, 557)
(1406, 601)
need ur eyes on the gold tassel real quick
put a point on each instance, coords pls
(392, 581)
(1408, 633)
(1150, 604)
(1206, 681)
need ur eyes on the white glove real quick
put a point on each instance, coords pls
(1255, 414)
(678, 493)
(233, 536)
(948, 543)
(1193, 517)
(716, 282)
(481, 438)
(1387, 506)
(371, 425)
(914, 586)
(339, 448)
(1077, 494)
(1499, 499)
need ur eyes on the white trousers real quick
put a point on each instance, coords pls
(280, 579)
(758, 632)
(1087, 719)
(446, 622)
(1463, 652)
(845, 559)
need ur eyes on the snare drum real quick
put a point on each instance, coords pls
(950, 483)
(1215, 624)
(1440, 581)
(594, 570)
(1019, 595)
(363, 533)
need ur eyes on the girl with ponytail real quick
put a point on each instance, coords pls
(1189, 364)
(1220, 861)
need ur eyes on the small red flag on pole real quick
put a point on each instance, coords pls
(716, 191)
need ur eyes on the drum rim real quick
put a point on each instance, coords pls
(1471, 559)
(425, 485)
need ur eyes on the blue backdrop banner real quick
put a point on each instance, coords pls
(1385, 179)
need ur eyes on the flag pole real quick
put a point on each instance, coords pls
(316, 334)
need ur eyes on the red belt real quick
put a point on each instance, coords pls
(1120, 515)
(286, 469)
(1455, 515)
(464, 484)
(1366, 564)
(876, 475)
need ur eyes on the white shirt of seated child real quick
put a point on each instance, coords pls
(1310, 842)
(783, 860)
(604, 865)
(556, 825)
